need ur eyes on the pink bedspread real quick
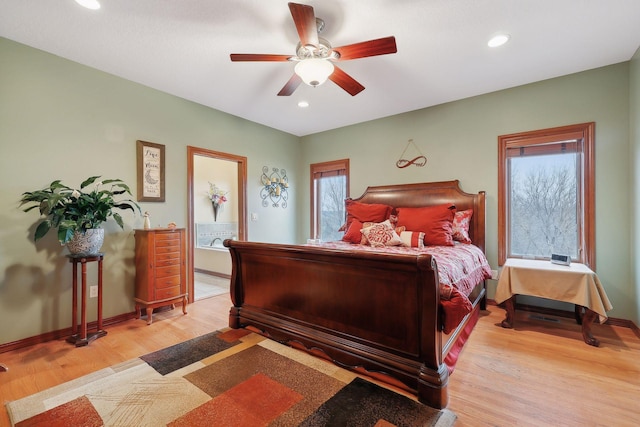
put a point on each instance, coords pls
(462, 266)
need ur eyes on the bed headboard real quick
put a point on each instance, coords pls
(430, 194)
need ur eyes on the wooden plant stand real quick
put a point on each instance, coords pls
(79, 335)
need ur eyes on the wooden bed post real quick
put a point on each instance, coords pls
(433, 375)
(432, 387)
(235, 289)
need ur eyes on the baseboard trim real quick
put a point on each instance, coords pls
(211, 273)
(635, 329)
(571, 315)
(61, 333)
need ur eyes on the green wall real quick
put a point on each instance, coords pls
(62, 120)
(634, 156)
(460, 141)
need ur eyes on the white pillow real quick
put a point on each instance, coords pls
(412, 239)
(382, 234)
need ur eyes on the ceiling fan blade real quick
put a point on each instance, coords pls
(346, 82)
(305, 20)
(376, 47)
(291, 85)
(258, 57)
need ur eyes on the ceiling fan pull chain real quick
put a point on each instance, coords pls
(419, 161)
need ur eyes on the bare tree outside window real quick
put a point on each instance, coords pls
(544, 215)
(332, 192)
(329, 189)
(546, 194)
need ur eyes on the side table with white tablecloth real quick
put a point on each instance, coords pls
(576, 284)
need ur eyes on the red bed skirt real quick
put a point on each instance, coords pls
(452, 357)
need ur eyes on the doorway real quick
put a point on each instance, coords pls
(227, 221)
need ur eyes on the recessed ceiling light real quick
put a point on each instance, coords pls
(303, 104)
(498, 40)
(89, 4)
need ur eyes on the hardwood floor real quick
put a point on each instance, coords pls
(539, 374)
(543, 374)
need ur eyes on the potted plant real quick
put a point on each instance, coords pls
(78, 214)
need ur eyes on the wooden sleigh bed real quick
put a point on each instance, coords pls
(377, 313)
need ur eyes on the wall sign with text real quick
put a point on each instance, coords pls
(150, 159)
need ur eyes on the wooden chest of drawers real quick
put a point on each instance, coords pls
(161, 278)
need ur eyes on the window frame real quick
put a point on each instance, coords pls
(316, 171)
(535, 140)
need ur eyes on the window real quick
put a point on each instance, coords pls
(546, 194)
(329, 188)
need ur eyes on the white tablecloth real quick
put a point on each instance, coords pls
(576, 284)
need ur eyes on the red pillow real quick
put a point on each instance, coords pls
(353, 234)
(434, 221)
(366, 212)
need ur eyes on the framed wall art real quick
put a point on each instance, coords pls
(150, 161)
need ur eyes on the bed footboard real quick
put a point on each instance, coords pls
(371, 312)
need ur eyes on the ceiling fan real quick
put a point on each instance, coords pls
(315, 58)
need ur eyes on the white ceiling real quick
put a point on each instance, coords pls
(182, 47)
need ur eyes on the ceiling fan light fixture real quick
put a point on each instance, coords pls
(498, 40)
(314, 71)
(89, 4)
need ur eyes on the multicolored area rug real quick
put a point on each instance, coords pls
(226, 378)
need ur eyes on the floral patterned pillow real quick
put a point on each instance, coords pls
(364, 241)
(461, 222)
(382, 234)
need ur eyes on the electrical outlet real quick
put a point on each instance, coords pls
(93, 291)
(494, 274)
